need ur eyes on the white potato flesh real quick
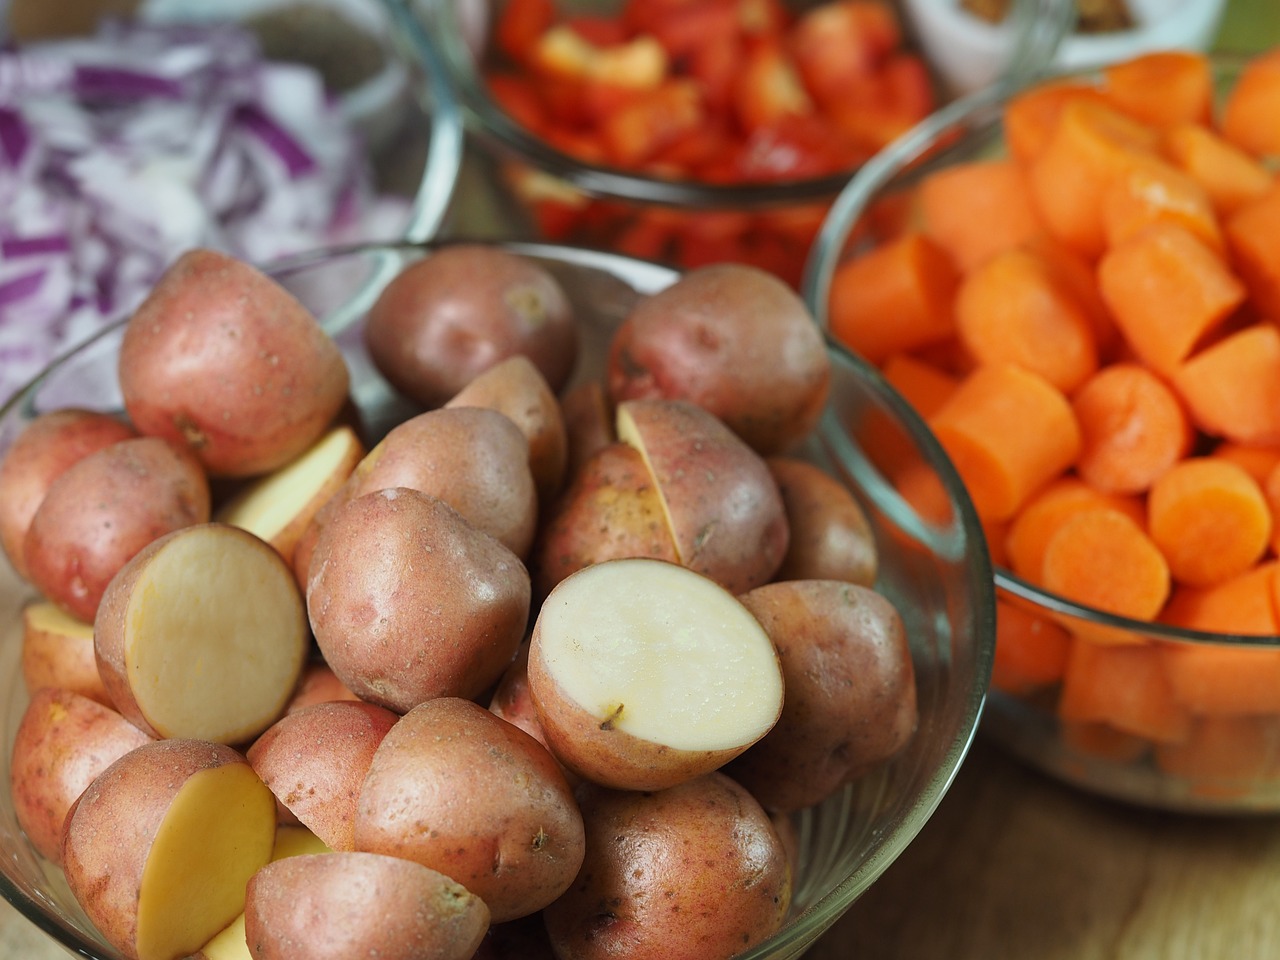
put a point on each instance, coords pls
(662, 653)
(215, 636)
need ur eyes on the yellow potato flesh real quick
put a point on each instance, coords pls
(48, 619)
(219, 831)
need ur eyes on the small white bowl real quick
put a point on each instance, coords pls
(969, 53)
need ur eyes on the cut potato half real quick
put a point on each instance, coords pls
(645, 674)
(203, 635)
(57, 651)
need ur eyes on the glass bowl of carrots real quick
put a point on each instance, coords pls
(686, 131)
(1076, 285)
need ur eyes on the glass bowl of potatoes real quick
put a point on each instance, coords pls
(526, 694)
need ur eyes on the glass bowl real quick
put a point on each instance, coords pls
(1223, 759)
(543, 190)
(936, 573)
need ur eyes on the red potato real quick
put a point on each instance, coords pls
(693, 872)
(159, 847)
(735, 340)
(516, 388)
(450, 316)
(645, 674)
(318, 684)
(588, 423)
(224, 361)
(462, 791)
(202, 635)
(105, 508)
(50, 444)
(511, 700)
(408, 601)
(850, 692)
(610, 511)
(315, 760)
(57, 651)
(335, 906)
(830, 537)
(721, 501)
(63, 742)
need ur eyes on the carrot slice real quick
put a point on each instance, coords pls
(1167, 291)
(1102, 741)
(1125, 687)
(1252, 105)
(1153, 191)
(1244, 605)
(1163, 87)
(1251, 236)
(1229, 175)
(1133, 427)
(1077, 274)
(1103, 559)
(1209, 519)
(1031, 115)
(897, 296)
(978, 209)
(1257, 461)
(1015, 309)
(1232, 388)
(1224, 757)
(1224, 681)
(921, 384)
(1270, 484)
(1037, 522)
(1008, 432)
(1031, 650)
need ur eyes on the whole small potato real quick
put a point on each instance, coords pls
(51, 443)
(735, 340)
(448, 317)
(103, 510)
(408, 601)
(831, 538)
(692, 872)
(318, 684)
(850, 692)
(460, 790)
(223, 360)
(588, 423)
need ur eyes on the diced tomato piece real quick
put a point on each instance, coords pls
(652, 122)
(793, 148)
(769, 88)
(600, 31)
(684, 30)
(520, 24)
(520, 101)
(837, 45)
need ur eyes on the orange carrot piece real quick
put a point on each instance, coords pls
(1232, 388)
(1125, 687)
(1167, 291)
(1224, 681)
(1230, 176)
(921, 384)
(1015, 309)
(1224, 757)
(1133, 428)
(1163, 87)
(1251, 237)
(1270, 485)
(1008, 432)
(1031, 650)
(1092, 146)
(1252, 105)
(898, 296)
(1102, 559)
(1077, 274)
(1101, 741)
(1244, 605)
(1031, 116)
(1037, 522)
(1257, 461)
(1154, 191)
(978, 209)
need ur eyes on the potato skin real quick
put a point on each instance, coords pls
(703, 853)
(408, 601)
(54, 656)
(336, 906)
(450, 316)
(50, 444)
(103, 510)
(735, 340)
(462, 791)
(221, 359)
(831, 538)
(850, 701)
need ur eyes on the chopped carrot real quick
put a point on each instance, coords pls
(921, 487)
(1222, 680)
(1167, 291)
(1252, 105)
(1015, 309)
(1209, 519)
(1257, 461)
(1163, 87)
(1076, 274)
(1251, 236)
(1133, 427)
(921, 384)
(1229, 175)
(1270, 485)
(977, 209)
(1035, 524)
(1102, 559)
(1008, 432)
(896, 297)
(1243, 605)
(1125, 687)
(1232, 388)
(1032, 114)
(1092, 146)
(1101, 741)
(1224, 757)
(1031, 650)
(1154, 191)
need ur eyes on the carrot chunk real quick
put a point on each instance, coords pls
(1153, 191)
(1229, 175)
(1257, 461)
(1251, 236)
(1037, 522)
(1008, 432)
(1252, 105)
(1163, 87)
(1103, 559)
(1232, 388)
(978, 209)
(921, 384)
(1032, 114)
(1124, 687)
(1224, 681)
(1031, 650)
(1242, 605)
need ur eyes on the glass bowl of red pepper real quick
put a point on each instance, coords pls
(685, 131)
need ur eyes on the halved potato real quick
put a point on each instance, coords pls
(57, 651)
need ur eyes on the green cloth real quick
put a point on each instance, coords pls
(1249, 25)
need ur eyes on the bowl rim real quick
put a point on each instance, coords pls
(808, 924)
(980, 111)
